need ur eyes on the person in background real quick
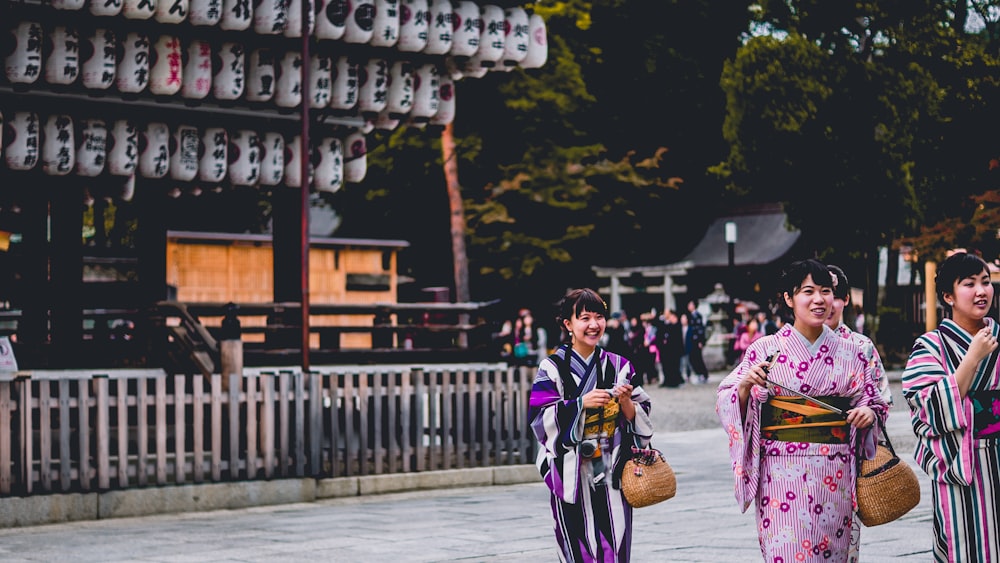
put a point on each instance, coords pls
(670, 344)
(842, 298)
(793, 460)
(951, 383)
(749, 336)
(698, 336)
(642, 358)
(587, 414)
(616, 336)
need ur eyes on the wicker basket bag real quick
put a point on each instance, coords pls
(887, 486)
(647, 478)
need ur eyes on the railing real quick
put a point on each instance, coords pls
(72, 431)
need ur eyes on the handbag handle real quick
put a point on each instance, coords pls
(885, 435)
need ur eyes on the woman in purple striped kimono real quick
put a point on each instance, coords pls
(952, 385)
(587, 415)
(791, 457)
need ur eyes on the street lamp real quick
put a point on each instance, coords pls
(731, 241)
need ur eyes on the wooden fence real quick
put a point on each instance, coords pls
(78, 431)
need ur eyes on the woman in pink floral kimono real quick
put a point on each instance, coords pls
(793, 458)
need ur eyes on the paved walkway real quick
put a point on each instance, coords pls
(503, 523)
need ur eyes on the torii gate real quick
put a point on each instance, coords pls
(667, 272)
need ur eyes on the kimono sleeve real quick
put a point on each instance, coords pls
(557, 425)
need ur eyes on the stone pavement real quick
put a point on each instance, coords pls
(498, 523)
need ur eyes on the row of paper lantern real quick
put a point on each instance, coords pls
(494, 39)
(243, 157)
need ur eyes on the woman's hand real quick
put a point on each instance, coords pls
(756, 375)
(597, 398)
(624, 394)
(861, 417)
(983, 343)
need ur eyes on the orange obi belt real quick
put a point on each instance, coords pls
(795, 419)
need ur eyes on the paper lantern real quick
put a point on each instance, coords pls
(123, 148)
(198, 71)
(166, 71)
(98, 52)
(260, 76)
(270, 16)
(426, 83)
(373, 86)
(184, 146)
(128, 188)
(440, 27)
(272, 159)
(132, 74)
(329, 176)
(355, 157)
(91, 149)
(385, 24)
(58, 145)
(204, 12)
(23, 131)
(344, 85)
(139, 9)
(212, 155)
(24, 63)
(237, 15)
(414, 22)
(492, 41)
(62, 63)
(288, 89)
(154, 150)
(471, 68)
(67, 4)
(244, 158)
(293, 164)
(293, 22)
(400, 100)
(331, 19)
(228, 78)
(538, 46)
(446, 102)
(320, 74)
(360, 24)
(171, 11)
(386, 121)
(467, 29)
(516, 31)
(105, 7)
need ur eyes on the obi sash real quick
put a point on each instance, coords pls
(986, 413)
(795, 419)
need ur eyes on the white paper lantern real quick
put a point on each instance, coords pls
(272, 159)
(171, 11)
(467, 23)
(320, 74)
(99, 52)
(426, 83)
(58, 145)
(154, 150)
(213, 155)
(344, 92)
(270, 16)
(373, 86)
(331, 19)
(471, 68)
(516, 28)
(91, 149)
(440, 32)
(446, 102)
(385, 26)
(414, 21)
(67, 4)
(228, 80)
(132, 74)
(166, 73)
(22, 139)
(204, 12)
(237, 15)
(400, 100)
(197, 70)
(139, 9)
(260, 76)
(244, 158)
(355, 157)
(24, 63)
(184, 147)
(492, 42)
(386, 121)
(62, 65)
(538, 45)
(288, 89)
(360, 24)
(293, 164)
(293, 22)
(123, 148)
(329, 175)
(105, 7)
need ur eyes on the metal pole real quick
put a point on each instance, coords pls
(304, 154)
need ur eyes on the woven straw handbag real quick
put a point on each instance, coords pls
(647, 478)
(887, 486)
